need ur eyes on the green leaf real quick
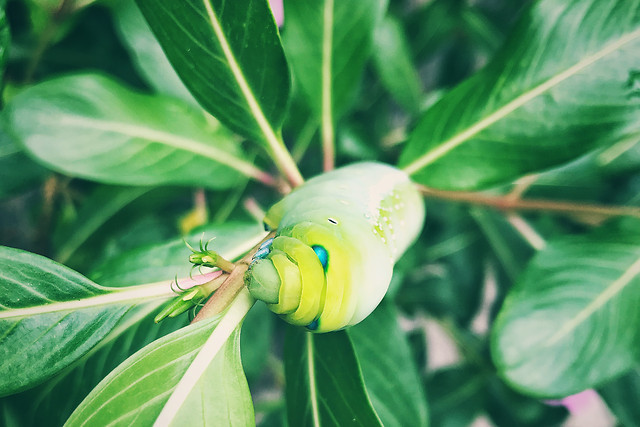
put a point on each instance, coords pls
(389, 373)
(229, 56)
(90, 126)
(571, 322)
(548, 96)
(50, 316)
(328, 43)
(190, 377)
(622, 396)
(256, 340)
(324, 382)
(52, 402)
(99, 207)
(394, 63)
(147, 52)
(170, 259)
(456, 395)
(5, 36)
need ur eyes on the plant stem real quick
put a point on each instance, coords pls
(507, 203)
(227, 293)
(328, 148)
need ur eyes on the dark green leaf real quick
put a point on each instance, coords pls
(622, 395)
(548, 96)
(147, 52)
(50, 316)
(229, 56)
(327, 44)
(53, 402)
(456, 395)
(92, 127)
(389, 373)
(5, 36)
(17, 171)
(324, 383)
(395, 66)
(256, 340)
(190, 377)
(571, 322)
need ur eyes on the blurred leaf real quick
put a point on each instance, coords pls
(256, 339)
(165, 261)
(456, 395)
(395, 65)
(147, 52)
(90, 126)
(571, 322)
(100, 206)
(548, 96)
(389, 373)
(508, 408)
(229, 56)
(324, 382)
(5, 36)
(622, 396)
(327, 44)
(50, 316)
(17, 171)
(431, 25)
(169, 381)
(52, 402)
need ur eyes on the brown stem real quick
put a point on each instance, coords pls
(507, 203)
(230, 288)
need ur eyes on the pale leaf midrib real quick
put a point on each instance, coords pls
(312, 380)
(131, 294)
(153, 135)
(605, 296)
(447, 146)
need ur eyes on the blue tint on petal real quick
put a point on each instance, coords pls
(323, 255)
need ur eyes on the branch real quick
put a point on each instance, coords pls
(510, 203)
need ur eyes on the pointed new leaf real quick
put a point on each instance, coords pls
(571, 322)
(50, 316)
(389, 373)
(92, 127)
(167, 381)
(561, 86)
(324, 382)
(229, 56)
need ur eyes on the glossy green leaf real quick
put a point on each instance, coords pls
(622, 396)
(571, 321)
(99, 207)
(161, 262)
(550, 95)
(389, 373)
(52, 402)
(327, 44)
(50, 316)
(92, 127)
(229, 56)
(147, 52)
(324, 384)
(190, 377)
(393, 61)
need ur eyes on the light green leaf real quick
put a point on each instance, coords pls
(571, 322)
(229, 56)
(559, 88)
(389, 373)
(167, 381)
(394, 63)
(161, 262)
(324, 381)
(50, 316)
(92, 127)
(147, 52)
